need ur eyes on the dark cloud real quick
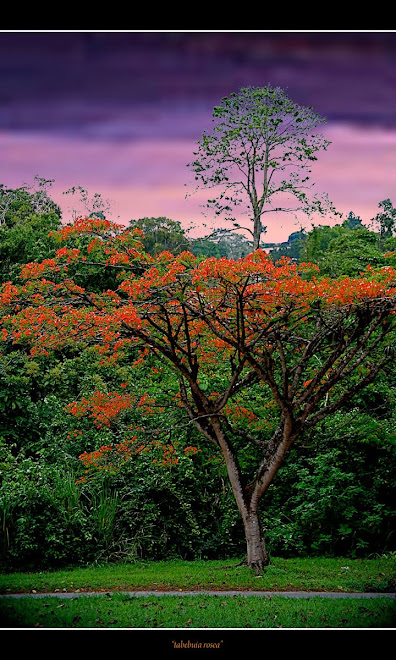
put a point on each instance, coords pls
(129, 85)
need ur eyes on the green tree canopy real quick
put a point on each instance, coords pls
(385, 220)
(17, 204)
(353, 221)
(162, 234)
(351, 252)
(27, 216)
(221, 244)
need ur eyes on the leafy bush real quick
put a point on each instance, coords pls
(342, 502)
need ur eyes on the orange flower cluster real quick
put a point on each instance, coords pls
(103, 407)
(94, 457)
(71, 254)
(191, 451)
(238, 412)
(85, 225)
(111, 457)
(8, 294)
(33, 270)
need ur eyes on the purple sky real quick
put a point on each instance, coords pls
(119, 113)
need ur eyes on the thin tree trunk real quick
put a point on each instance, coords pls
(256, 232)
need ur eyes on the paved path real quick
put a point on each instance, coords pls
(263, 594)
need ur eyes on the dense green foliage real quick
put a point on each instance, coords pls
(341, 503)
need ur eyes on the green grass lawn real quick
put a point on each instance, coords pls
(300, 574)
(121, 611)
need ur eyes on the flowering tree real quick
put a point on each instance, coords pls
(262, 352)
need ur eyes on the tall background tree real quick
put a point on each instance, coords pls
(258, 158)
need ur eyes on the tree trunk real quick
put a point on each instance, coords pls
(256, 233)
(257, 556)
